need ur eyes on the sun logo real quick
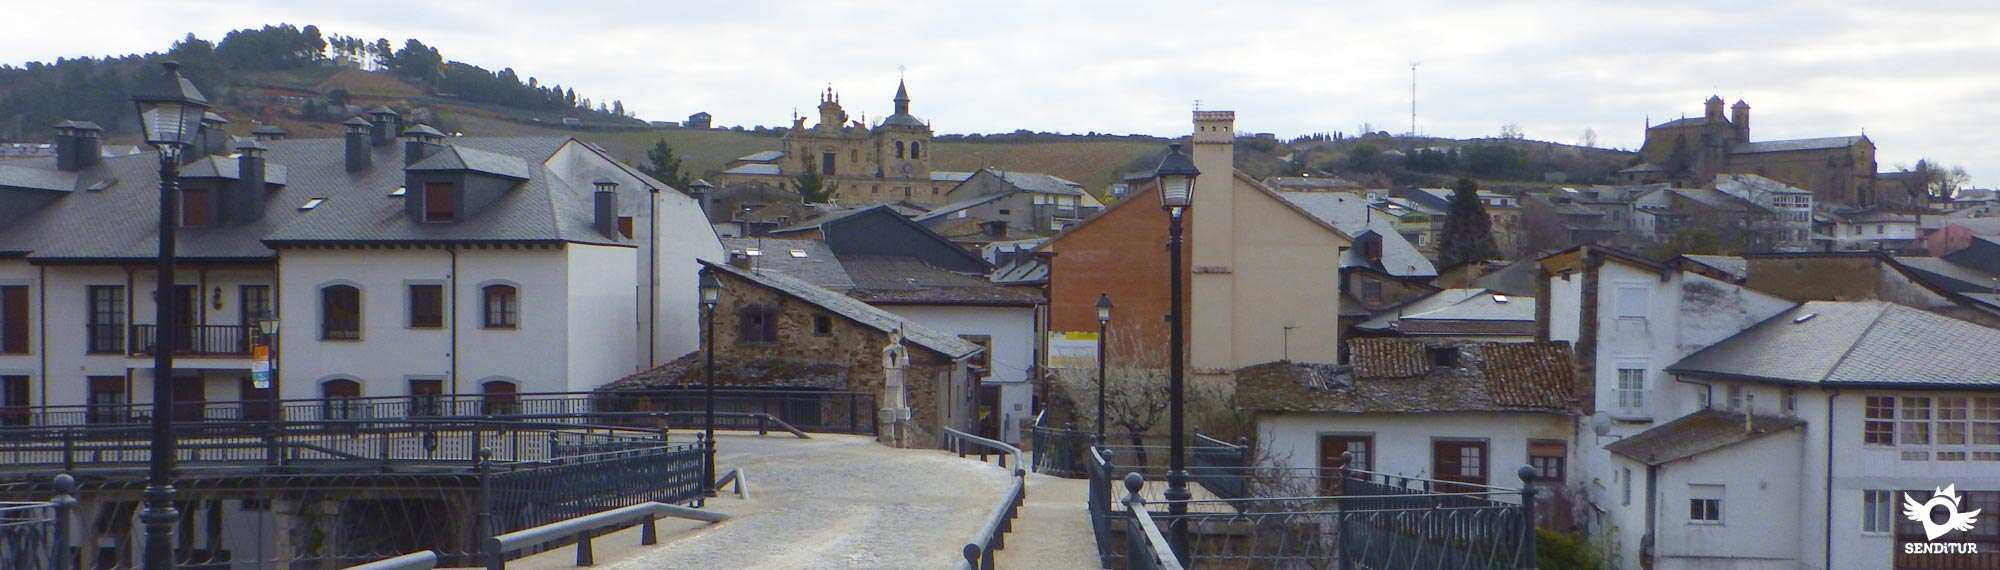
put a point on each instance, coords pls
(1947, 498)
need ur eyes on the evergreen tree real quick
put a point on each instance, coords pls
(810, 186)
(1680, 160)
(664, 166)
(1468, 232)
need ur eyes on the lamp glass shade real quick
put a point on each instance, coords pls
(1176, 191)
(268, 325)
(169, 123)
(711, 289)
(1103, 308)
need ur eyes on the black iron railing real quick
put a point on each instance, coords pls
(29, 536)
(992, 536)
(197, 340)
(439, 441)
(1060, 451)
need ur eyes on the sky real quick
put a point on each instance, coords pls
(1921, 79)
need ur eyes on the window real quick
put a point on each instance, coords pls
(14, 319)
(1879, 427)
(256, 304)
(340, 395)
(1550, 457)
(196, 208)
(340, 312)
(107, 319)
(1952, 427)
(1458, 461)
(502, 306)
(757, 324)
(426, 306)
(1791, 401)
(1631, 389)
(1331, 446)
(826, 163)
(899, 149)
(1735, 397)
(1625, 486)
(984, 360)
(1876, 509)
(1705, 504)
(426, 395)
(499, 398)
(916, 150)
(1915, 425)
(14, 400)
(625, 226)
(108, 404)
(822, 325)
(1986, 427)
(440, 202)
(1632, 301)
(1371, 290)
(1443, 356)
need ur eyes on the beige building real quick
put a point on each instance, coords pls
(857, 164)
(1265, 274)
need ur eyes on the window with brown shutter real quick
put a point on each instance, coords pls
(14, 319)
(340, 313)
(625, 226)
(440, 203)
(196, 210)
(426, 306)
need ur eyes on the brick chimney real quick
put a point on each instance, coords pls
(77, 145)
(605, 205)
(359, 152)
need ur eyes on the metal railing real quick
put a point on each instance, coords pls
(580, 529)
(805, 410)
(1146, 548)
(425, 560)
(340, 442)
(1060, 451)
(30, 536)
(197, 340)
(992, 536)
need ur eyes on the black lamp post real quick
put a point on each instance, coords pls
(170, 111)
(267, 324)
(711, 292)
(1175, 176)
(1103, 319)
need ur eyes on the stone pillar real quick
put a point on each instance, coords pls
(893, 422)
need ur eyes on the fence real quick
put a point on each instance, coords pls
(808, 410)
(29, 536)
(408, 441)
(993, 535)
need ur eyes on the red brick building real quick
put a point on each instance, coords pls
(1121, 252)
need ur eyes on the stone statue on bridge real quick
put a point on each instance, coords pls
(894, 421)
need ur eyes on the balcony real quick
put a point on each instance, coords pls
(197, 340)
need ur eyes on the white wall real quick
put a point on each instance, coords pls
(1013, 332)
(1403, 441)
(601, 314)
(18, 272)
(1761, 483)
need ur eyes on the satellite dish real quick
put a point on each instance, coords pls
(1601, 424)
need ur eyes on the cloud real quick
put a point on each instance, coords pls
(1919, 77)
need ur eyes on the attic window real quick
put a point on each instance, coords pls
(800, 253)
(399, 191)
(1804, 318)
(1443, 356)
(312, 203)
(753, 252)
(1499, 298)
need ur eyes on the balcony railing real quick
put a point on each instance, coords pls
(197, 340)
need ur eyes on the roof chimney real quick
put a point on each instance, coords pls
(606, 202)
(214, 140)
(420, 141)
(359, 153)
(246, 203)
(386, 124)
(700, 191)
(266, 133)
(739, 259)
(77, 145)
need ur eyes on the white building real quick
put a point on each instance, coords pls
(406, 267)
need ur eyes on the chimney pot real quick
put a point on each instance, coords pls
(359, 153)
(606, 204)
(77, 145)
(246, 202)
(421, 141)
(385, 124)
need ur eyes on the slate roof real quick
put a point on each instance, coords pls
(226, 168)
(755, 168)
(950, 175)
(689, 370)
(1024, 270)
(1735, 266)
(1952, 276)
(954, 207)
(465, 159)
(1038, 182)
(1475, 312)
(1698, 433)
(1822, 143)
(1716, 199)
(1350, 213)
(765, 156)
(1641, 168)
(108, 213)
(36, 178)
(896, 280)
(818, 265)
(852, 309)
(1684, 122)
(1860, 343)
(1395, 376)
(1517, 278)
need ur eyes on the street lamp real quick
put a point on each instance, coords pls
(1175, 176)
(170, 111)
(711, 293)
(1103, 319)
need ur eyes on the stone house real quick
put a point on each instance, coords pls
(1027, 202)
(1694, 150)
(775, 331)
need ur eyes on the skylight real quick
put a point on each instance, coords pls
(1804, 318)
(400, 190)
(312, 203)
(1499, 298)
(798, 253)
(753, 252)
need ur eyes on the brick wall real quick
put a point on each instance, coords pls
(1121, 252)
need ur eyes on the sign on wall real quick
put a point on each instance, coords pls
(1072, 349)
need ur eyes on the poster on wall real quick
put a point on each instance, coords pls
(1072, 349)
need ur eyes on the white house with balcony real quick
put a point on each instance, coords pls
(393, 267)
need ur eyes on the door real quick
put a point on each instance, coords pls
(425, 395)
(14, 400)
(257, 404)
(14, 319)
(1331, 446)
(1458, 460)
(190, 396)
(187, 309)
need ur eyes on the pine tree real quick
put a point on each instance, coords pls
(809, 184)
(1468, 232)
(664, 166)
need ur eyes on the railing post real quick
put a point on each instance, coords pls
(483, 522)
(1528, 535)
(583, 555)
(972, 556)
(763, 425)
(648, 533)
(65, 501)
(1340, 519)
(69, 450)
(1138, 556)
(853, 423)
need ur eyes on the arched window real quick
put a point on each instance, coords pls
(502, 306)
(340, 312)
(899, 149)
(499, 397)
(340, 395)
(916, 150)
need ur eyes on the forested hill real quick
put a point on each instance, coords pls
(282, 74)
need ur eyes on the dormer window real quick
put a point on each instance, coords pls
(440, 202)
(1443, 356)
(196, 208)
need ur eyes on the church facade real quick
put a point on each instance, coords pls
(1693, 150)
(857, 163)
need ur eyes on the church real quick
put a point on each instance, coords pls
(857, 163)
(1693, 150)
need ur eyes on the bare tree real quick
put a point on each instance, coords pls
(1512, 131)
(1937, 180)
(1589, 138)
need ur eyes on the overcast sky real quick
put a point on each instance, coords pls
(1922, 79)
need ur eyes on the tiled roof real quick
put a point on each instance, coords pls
(1862, 343)
(689, 370)
(854, 310)
(899, 280)
(1698, 433)
(1822, 143)
(1395, 376)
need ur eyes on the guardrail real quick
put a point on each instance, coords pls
(581, 529)
(993, 535)
(737, 479)
(1146, 548)
(425, 560)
